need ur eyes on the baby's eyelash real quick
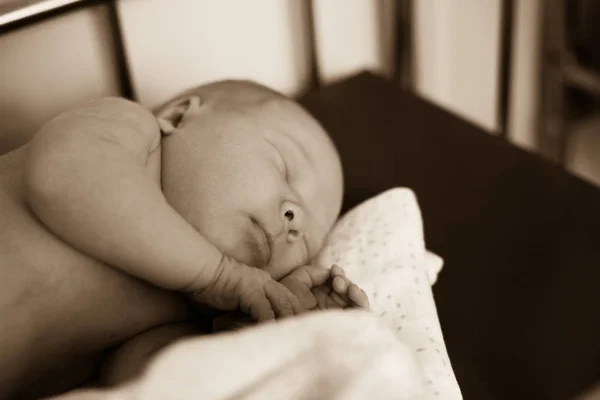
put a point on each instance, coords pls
(286, 173)
(285, 167)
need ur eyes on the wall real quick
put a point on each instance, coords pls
(263, 40)
(171, 48)
(524, 101)
(354, 35)
(50, 67)
(456, 58)
(457, 52)
(457, 55)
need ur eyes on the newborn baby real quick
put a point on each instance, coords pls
(115, 220)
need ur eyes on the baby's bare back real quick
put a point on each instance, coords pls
(61, 310)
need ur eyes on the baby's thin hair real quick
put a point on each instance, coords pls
(240, 89)
(237, 84)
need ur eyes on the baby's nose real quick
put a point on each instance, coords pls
(294, 220)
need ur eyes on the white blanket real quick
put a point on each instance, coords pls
(380, 244)
(395, 351)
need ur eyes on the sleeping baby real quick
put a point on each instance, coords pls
(119, 226)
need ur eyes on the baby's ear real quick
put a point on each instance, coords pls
(173, 115)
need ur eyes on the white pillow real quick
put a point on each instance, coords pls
(433, 266)
(381, 247)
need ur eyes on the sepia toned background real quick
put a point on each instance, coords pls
(173, 44)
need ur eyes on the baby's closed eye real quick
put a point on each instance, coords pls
(280, 161)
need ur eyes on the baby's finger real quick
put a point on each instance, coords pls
(261, 310)
(310, 275)
(324, 301)
(302, 292)
(358, 296)
(284, 303)
(339, 300)
(336, 270)
(340, 285)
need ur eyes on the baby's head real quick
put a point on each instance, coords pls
(252, 171)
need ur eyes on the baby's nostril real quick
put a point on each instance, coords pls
(289, 215)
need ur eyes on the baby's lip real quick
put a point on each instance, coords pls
(264, 243)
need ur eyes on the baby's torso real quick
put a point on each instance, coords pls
(59, 309)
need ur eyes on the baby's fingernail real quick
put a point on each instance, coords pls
(338, 270)
(339, 284)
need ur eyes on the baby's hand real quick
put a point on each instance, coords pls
(316, 288)
(322, 288)
(344, 292)
(250, 290)
(264, 298)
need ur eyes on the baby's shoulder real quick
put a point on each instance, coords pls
(116, 118)
(118, 109)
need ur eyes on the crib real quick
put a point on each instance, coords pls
(518, 298)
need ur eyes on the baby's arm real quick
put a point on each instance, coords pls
(92, 176)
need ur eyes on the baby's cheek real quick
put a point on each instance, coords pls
(228, 237)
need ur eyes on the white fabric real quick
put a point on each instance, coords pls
(329, 355)
(381, 247)
(433, 266)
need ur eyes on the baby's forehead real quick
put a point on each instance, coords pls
(277, 117)
(257, 111)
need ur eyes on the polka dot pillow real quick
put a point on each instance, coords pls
(381, 247)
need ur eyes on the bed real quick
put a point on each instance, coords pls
(518, 297)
